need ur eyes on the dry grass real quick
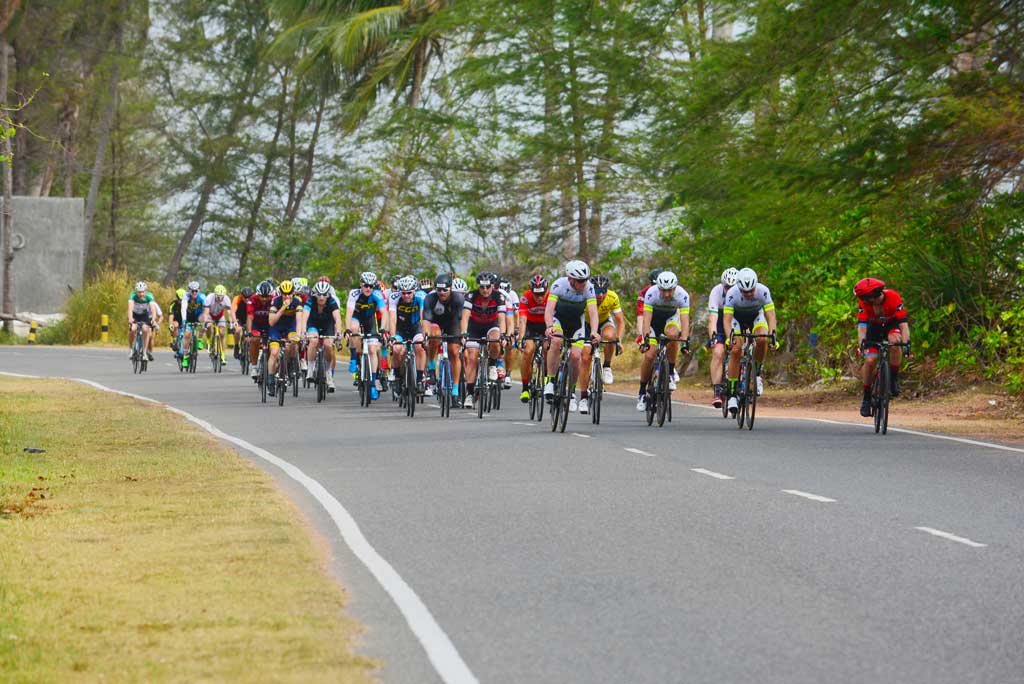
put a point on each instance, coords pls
(138, 549)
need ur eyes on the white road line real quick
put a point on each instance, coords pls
(808, 495)
(906, 431)
(526, 424)
(438, 646)
(712, 473)
(580, 434)
(951, 537)
(639, 451)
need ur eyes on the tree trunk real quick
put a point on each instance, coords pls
(114, 198)
(578, 154)
(7, 217)
(546, 236)
(104, 134)
(198, 216)
(310, 157)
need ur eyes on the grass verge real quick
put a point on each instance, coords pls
(137, 548)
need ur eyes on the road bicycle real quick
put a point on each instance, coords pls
(746, 388)
(190, 356)
(364, 377)
(262, 369)
(217, 349)
(565, 386)
(287, 373)
(536, 386)
(596, 390)
(406, 389)
(242, 346)
(444, 373)
(139, 360)
(486, 392)
(659, 396)
(320, 369)
(881, 386)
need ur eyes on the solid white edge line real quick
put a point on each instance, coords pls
(808, 495)
(712, 473)
(906, 431)
(638, 451)
(440, 650)
(952, 537)
(580, 434)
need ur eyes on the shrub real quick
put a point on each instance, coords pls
(107, 293)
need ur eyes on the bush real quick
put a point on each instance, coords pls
(107, 293)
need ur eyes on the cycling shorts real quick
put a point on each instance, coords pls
(752, 322)
(480, 330)
(878, 332)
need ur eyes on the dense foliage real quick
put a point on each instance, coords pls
(817, 141)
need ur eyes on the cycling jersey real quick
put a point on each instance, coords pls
(193, 307)
(716, 302)
(141, 312)
(888, 314)
(571, 303)
(610, 305)
(366, 308)
(286, 323)
(665, 312)
(240, 306)
(748, 312)
(321, 319)
(175, 309)
(257, 308)
(217, 304)
(532, 306)
(640, 300)
(485, 308)
(446, 315)
(511, 303)
(407, 314)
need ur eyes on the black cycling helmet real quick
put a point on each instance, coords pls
(264, 289)
(443, 281)
(601, 282)
(653, 278)
(394, 281)
(247, 292)
(485, 278)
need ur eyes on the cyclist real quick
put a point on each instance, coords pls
(666, 312)
(364, 303)
(321, 319)
(404, 315)
(426, 285)
(651, 279)
(442, 313)
(611, 323)
(531, 328)
(216, 304)
(880, 316)
(257, 318)
(156, 328)
(177, 318)
(193, 305)
(483, 315)
(716, 333)
(460, 286)
(748, 307)
(511, 328)
(239, 307)
(141, 314)
(570, 299)
(284, 316)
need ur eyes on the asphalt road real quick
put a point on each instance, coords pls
(829, 555)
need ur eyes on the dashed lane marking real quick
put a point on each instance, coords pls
(952, 537)
(808, 495)
(712, 473)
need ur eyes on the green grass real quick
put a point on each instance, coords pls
(137, 548)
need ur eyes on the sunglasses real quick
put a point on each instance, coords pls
(600, 291)
(364, 285)
(485, 286)
(408, 292)
(444, 289)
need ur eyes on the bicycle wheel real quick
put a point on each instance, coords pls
(662, 392)
(741, 395)
(263, 376)
(556, 399)
(218, 362)
(366, 378)
(497, 389)
(882, 421)
(444, 388)
(193, 353)
(320, 373)
(568, 390)
(410, 384)
(751, 395)
(596, 392)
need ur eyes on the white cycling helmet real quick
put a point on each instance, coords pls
(193, 286)
(577, 270)
(746, 279)
(367, 278)
(407, 284)
(141, 286)
(322, 289)
(729, 277)
(667, 280)
(460, 285)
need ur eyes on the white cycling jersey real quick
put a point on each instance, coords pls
(748, 307)
(218, 304)
(662, 308)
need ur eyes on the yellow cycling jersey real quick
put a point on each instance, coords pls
(609, 306)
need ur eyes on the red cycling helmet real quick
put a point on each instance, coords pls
(324, 279)
(538, 283)
(868, 287)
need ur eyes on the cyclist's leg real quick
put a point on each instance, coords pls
(526, 362)
(421, 352)
(608, 334)
(275, 346)
(493, 347)
(133, 328)
(583, 354)
(554, 351)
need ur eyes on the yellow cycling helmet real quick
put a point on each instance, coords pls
(220, 290)
(180, 292)
(286, 287)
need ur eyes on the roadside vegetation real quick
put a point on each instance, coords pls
(136, 548)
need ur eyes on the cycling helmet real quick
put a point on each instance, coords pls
(220, 290)
(868, 287)
(460, 285)
(653, 277)
(297, 284)
(322, 289)
(538, 284)
(264, 289)
(193, 286)
(180, 292)
(323, 279)
(247, 292)
(287, 287)
(667, 280)
(407, 284)
(746, 279)
(443, 281)
(484, 279)
(504, 285)
(601, 282)
(577, 270)
(729, 277)
(368, 278)
(141, 286)
(426, 284)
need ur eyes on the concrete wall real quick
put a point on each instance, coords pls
(52, 241)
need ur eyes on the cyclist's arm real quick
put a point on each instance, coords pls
(465, 321)
(620, 324)
(645, 322)
(300, 322)
(131, 319)
(275, 314)
(549, 311)
(712, 324)
(905, 331)
(769, 314)
(592, 313)
(684, 324)
(349, 309)
(337, 321)
(522, 327)
(727, 321)
(153, 313)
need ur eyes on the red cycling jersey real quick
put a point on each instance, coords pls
(258, 309)
(532, 307)
(889, 313)
(640, 300)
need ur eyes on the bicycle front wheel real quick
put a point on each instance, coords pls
(662, 392)
(410, 384)
(751, 397)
